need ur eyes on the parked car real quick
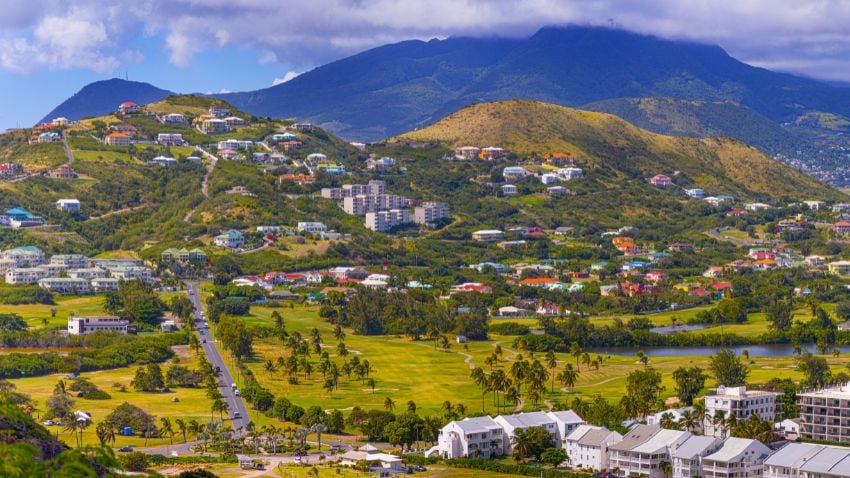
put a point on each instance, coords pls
(49, 423)
(126, 449)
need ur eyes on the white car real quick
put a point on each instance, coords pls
(236, 392)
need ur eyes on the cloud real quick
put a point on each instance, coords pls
(60, 42)
(288, 76)
(806, 37)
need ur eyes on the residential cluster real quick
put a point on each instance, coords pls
(69, 273)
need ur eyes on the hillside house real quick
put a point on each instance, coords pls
(567, 174)
(695, 193)
(129, 107)
(509, 190)
(230, 239)
(68, 205)
(841, 228)
(174, 119)
(492, 153)
(170, 139)
(233, 121)
(488, 235)
(219, 111)
(472, 287)
(466, 152)
(117, 139)
(49, 137)
(163, 161)
(214, 126)
(661, 180)
(514, 172)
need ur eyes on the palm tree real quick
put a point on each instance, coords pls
(480, 379)
(568, 376)
(585, 359)
(389, 404)
(688, 420)
(339, 334)
(105, 434)
(669, 422)
(666, 468)
(552, 363)
(194, 428)
(181, 425)
(718, 420)
(220, 406)
(318, 429)
(371, 383)
(699, 411)
(521, 444)
(575, 351)
(166, 429)
(269, 367)
(72, 425)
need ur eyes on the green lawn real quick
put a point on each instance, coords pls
(407, 370)
(65, 306)
(193, 403)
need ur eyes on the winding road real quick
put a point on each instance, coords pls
(205, 182)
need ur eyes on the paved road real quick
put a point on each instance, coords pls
(204, 182)
(210, 346)
(68, 152)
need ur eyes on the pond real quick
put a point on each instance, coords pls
(672, 329)
(772, 350)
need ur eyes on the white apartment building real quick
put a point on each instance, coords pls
(26, 275)
(171, 139)
(740, 402)
(132, 273)
(807, 460)
(332, 193)
(643, 450)
(429, 213)
(234, 144)
(87, 273)
(362, 204)
(566, 421)
(104, 284)
(523, 421)
(687, 457)
(174, 118)
(471, 437)
(312, 227)
(825, 413)
(737, 458)
(70, 261)
(587, 447)
(25, 256)
(89, 325)
(65, 285)
(383, 221)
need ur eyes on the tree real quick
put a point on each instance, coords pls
(568, 376)
(780, 315)
(166, 430)
(668, 421)
(689, 381)
(815, 369)
(644, 388)
(552, 363)
(575, 351)
(318, 429)
(389, 404)
(553, 456)
(235, 337)
(148, 378)
(532, 441)
(728, 369)
(105, 434)
(182, 427)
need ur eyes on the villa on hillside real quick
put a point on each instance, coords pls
(660, 180)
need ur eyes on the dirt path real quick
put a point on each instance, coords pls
(121, 211)
(205, 182)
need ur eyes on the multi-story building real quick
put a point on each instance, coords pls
(24, 256)
(235, 144)
(687, 457)
(362, 204)
(567, 174)
(332, 193)
(383, 221)
(214, 126)
(644, 450)
(587, 447)
(117, 139)
(68, 205)
(65, 285)
(488, 235)
(737, 401)
(87, 273)
(825, 413)
(523, 421)
(89, 325)
(429, 213)
(132, 273)
(174, 118)
(737, 458)
(808, 460)
(26, 275)
(471, 437)
(219, 111)
(467, 152)
(104, 284)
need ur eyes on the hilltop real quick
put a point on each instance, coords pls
(99, 98)
(621, 150)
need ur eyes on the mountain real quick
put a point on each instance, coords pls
(394, 88)
(102, 97)
(698, 118)
(612, 148)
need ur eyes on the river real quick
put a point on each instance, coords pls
(772, 350)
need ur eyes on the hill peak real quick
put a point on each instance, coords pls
(102, 97)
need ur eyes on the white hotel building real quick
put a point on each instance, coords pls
(740, 402)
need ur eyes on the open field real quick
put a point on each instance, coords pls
(193, 403)
(65, 306)
(407, 370)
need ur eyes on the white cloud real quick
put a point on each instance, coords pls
(288, 76)
(805, 36)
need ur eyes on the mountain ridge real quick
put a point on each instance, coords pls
(103, 97)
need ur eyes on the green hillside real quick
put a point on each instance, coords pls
(614, 148)
(702, 119)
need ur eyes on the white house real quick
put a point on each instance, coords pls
(312, 227)
(65, 285)
(587, 447)
(549, 178)
(523, 421)
(789, 428)
(567, 174)
(68, 205)
(807, 460)
(370, 454)
(230, 239)
(738, 457)
(514, 172)
(89, 325)
(470, 437)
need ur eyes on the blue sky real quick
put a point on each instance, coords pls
(49, 49)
